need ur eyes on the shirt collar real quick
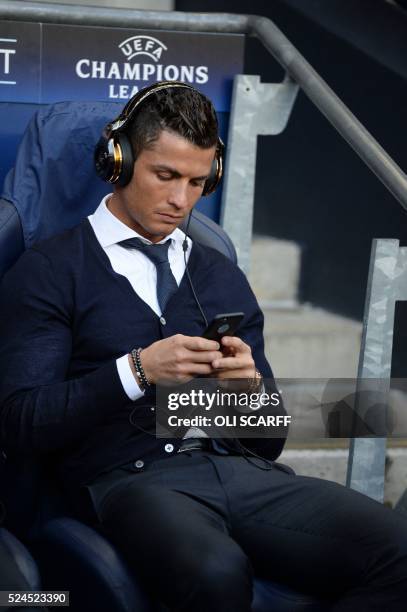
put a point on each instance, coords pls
(110, 230)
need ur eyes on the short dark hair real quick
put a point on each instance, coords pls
(180, 110)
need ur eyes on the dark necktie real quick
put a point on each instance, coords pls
(158, 254)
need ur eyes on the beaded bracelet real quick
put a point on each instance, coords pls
(141, 376)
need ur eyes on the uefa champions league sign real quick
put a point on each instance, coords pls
(44, 63)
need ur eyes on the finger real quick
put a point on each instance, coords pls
(228, 351)
(202, 369)
(187, 372)
(233, 342)
(233, 363)
(203, 356)
(195, 343)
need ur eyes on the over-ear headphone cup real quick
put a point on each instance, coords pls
(214, 177)
(127, 159)
(104, 161)
(208, 187)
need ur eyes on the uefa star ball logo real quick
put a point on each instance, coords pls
(142, 45)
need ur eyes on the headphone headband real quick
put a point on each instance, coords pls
(114, 159)
(121, 121)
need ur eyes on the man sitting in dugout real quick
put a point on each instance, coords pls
(195, 518)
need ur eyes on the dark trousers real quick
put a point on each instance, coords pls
(197, 526)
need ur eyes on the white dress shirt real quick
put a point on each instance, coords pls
(137, 268)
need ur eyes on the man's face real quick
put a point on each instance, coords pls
(167, 181)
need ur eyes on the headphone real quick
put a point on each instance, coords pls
(114, 159)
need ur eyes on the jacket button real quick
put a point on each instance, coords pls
(139, 464)
(169, 448)
(163, 321)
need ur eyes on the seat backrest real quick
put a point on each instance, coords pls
(53, 184)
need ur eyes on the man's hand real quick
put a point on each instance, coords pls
(179, 358)
(236, 360)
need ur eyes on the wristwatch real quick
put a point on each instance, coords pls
(256, 382)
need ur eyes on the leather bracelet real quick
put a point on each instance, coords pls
(141, 377)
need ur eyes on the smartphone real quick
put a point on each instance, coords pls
(223, 325)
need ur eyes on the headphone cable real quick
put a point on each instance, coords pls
(185, 248)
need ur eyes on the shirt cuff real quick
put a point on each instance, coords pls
(127, 379)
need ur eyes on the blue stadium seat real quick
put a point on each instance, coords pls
(18, 570)
(25, 566)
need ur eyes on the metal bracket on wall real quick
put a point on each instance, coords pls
(257, 109)
(387, 283)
